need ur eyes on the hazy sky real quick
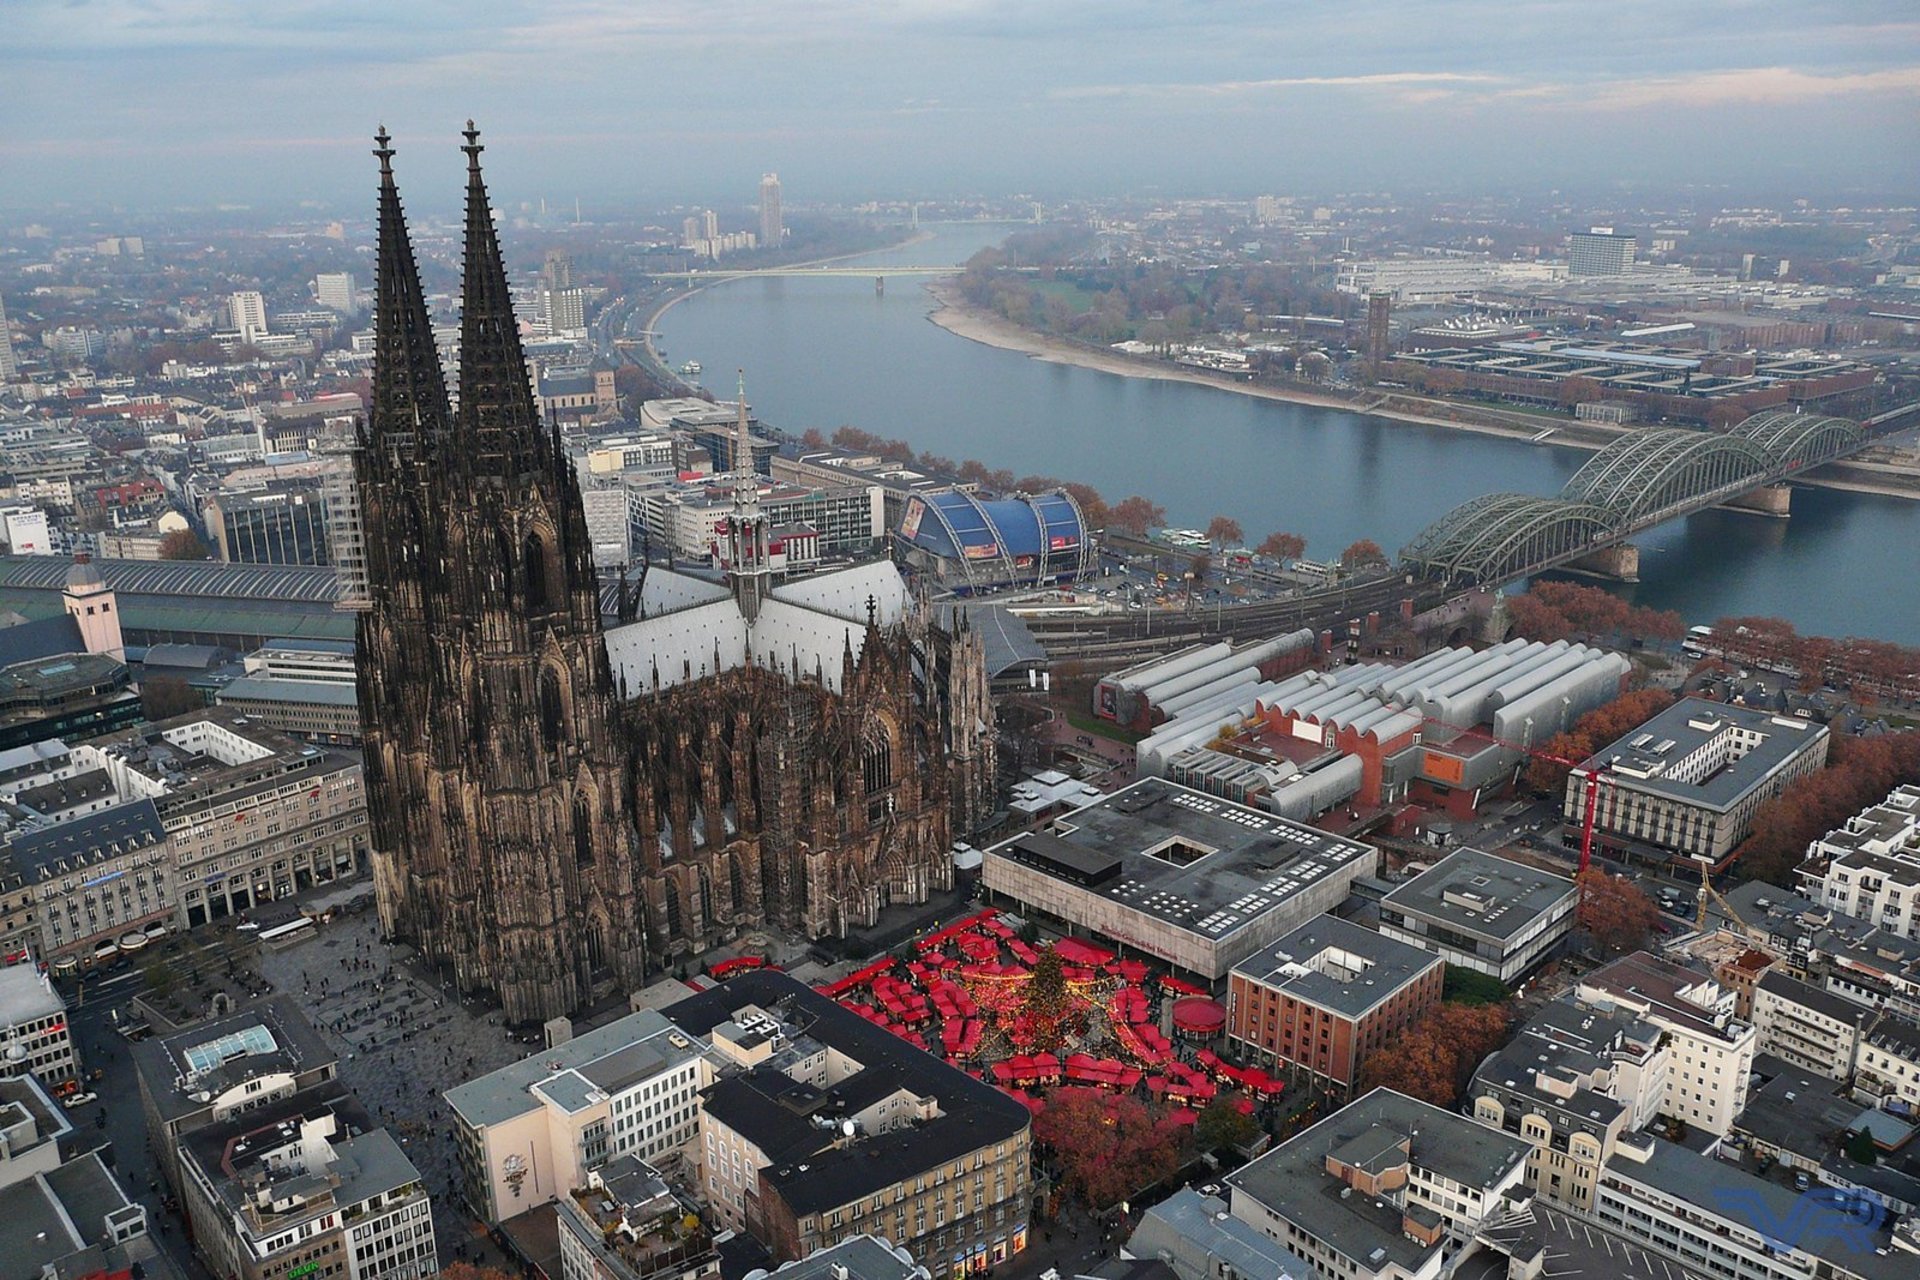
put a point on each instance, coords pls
(152, 102)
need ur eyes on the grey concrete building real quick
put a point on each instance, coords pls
(1483, 912)
(1198, 881)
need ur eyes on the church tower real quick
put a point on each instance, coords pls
(494, 774)
(749, 538)
(91, 603)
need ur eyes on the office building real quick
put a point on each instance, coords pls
(625, 1223)
(1725, 1223)
(565, 309)
(1386, 1188)
(309, 1185)
(9, 367)
(530, 1133)
(1329, 994)
(1712, 1051)
(26, 531)
(1571, 1081)
(284, 522)
(1599, 252)
(1870, 868)
(252, 814)
(1809, 1028)
(822, 1126)
(1687, 783)
(1196, 1238)
(1483, 912)
(691, 518)
(772, 229)
(226, 1065)
(335, 291)
(247, 312)
(1379, 330)
(1268, 210)
(1200, 882)
(33, 1025)
(71, 344)
(64, 1216)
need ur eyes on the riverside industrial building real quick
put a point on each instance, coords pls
(1194, 880)
(1442, 731)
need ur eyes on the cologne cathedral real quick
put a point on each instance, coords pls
(573, 785)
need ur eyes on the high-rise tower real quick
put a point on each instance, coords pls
(501, 844)
(772, 229)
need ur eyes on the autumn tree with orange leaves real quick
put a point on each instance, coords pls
(1591, 732)
(1108, 1146)
(1615, 910)
(1434, 1059)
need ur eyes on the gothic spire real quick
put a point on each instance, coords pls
(409, 411)
(499, 424)
(746, 483)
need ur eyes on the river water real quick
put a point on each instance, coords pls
(827, 352)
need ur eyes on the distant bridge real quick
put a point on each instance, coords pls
(717, 274)
(1643, 479)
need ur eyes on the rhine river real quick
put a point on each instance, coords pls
(827, 352)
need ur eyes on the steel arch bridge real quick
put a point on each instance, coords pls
(1641, 480)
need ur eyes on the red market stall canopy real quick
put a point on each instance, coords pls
(1199, 1016)
(1075, 951)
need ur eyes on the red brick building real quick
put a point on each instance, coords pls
(1327, 995)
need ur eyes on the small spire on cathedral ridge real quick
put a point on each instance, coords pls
(385, 152)
(473, 147)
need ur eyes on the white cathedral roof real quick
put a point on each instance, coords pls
(804, 627)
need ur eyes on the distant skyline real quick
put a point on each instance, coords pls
(152, 103)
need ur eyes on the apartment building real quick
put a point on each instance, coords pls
(627, 1224)
(1327, 995)
(1712, 1051)
(1870, 868)
(530, 1133)
(1387, 1188)
(1812, 1029)
(1724, 1223)
(822, 1126)
(310, 1185)
(1888, 1066)
(1571, 1081)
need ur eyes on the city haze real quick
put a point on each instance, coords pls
(167, 102)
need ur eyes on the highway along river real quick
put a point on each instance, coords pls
(827, 352)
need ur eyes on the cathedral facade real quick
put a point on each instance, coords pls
(563, 803)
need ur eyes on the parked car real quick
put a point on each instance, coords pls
(75, 1101)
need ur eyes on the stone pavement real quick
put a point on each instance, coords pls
(402, 1040)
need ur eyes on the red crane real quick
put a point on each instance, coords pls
(1590, 772)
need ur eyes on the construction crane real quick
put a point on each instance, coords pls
(1708, 891)
(1591, 773)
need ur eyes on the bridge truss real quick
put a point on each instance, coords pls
(1640, 480)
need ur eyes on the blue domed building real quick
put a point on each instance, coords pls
(972, 545)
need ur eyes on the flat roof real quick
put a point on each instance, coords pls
(1338, 965)
(609, 1058)
(1195, 861)
(332, 693)
(1646, 758)
(1481, 893)
(26, 994)
(174, 1067)
(810, 1166)
(1292, 1181)
(1664, 987)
